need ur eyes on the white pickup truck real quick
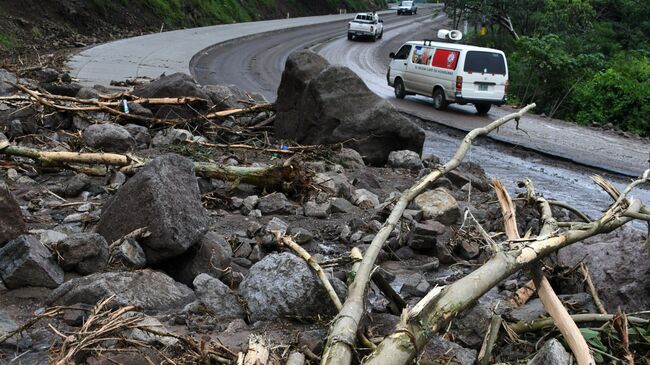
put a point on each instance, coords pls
(366, 25)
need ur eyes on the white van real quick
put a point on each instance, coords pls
(450, 73)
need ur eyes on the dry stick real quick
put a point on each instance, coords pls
(592, 288)
(550, 300)
(620, 324)
(539, 324)
(240, 146)
(491, 336)
(340, 342)
(441, 305)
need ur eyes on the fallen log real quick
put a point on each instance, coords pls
(280, 176)
(339, 347)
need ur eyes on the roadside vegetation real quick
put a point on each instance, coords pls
(581, 60)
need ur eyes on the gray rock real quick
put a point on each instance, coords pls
(138, 109)
(334, 184)
(340, 205)
(301, 235)
(404, 159)
(249, 203)
(171, 136)
(150, 290)
(256, 254)
(11, 220)
(552, 353)
(227, 96)
(24, 261)
(243, 249)
(174, 85)
(313, 108)
(88, 93)
(6, 89)
(217, 297)
(467, 250)
(350, 158)
(7, 325)
(365, 199)
(423, 235)
(129, 254)
(108, 137)
(75, 185)
(277, 224)
(439, 349)
(140, 334)
(619, 267)
(163, 196)
(283, 285)
(84, 253)
(211, 256)
(140, 134)
(275, 203)
(316, 210)
(469, 327)
(414, 285)
(438, 205)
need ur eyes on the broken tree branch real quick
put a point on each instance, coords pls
(441, 305)
(592, 288)
(550, 300)
(340, 342)
(544, 323)
(491, 336)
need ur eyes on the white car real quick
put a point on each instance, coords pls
(450, 73)
(407, 7)
(366, 25)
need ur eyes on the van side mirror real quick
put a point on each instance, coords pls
(391, 55)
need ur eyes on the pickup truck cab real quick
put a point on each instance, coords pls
(366, 25)
(407, 7)
(450, 73)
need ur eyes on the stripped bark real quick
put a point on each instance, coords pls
(340, 343)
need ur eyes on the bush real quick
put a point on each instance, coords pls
(619, 95)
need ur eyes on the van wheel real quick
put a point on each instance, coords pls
(349, 37)
(400, 92)
(381, 35)
(374, 37)
(439, 99)
(483, 109)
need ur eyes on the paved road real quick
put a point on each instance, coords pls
(254, 55)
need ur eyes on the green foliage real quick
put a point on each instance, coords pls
(8, 41)
(619, 95)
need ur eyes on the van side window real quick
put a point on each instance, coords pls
(485, 62)
(445, 58)
(422, 55)
(403, 52)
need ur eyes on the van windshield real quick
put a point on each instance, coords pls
(485, 62)
(406, 3)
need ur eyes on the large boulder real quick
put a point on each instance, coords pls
(619, 267)
(150, 290)
(11, 220)
(26, 262)
(84, 253)
(217, 297)
(174, 85)
(282, 285)
(320, 104)
(108, 137)
(164, 197)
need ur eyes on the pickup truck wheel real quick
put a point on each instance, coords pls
(400, 92)
(374, 37)
(439, 99)
(381, 35)
(483, 109)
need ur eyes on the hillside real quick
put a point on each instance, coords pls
(30, 29)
